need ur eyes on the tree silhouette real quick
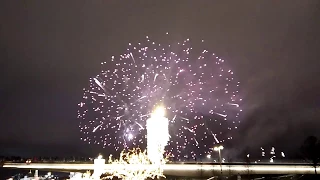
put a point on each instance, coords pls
(311, 151)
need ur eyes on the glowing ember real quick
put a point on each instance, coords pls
(134, 165)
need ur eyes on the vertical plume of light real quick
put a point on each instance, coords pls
(157, 135)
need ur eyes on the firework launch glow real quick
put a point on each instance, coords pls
(197, 88)
(157, 135)
(135, 165)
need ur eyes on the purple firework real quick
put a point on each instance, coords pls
(197, 89)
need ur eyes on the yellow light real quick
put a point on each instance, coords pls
(157, 134)
(218, 148)
(158, 112)
(100, 156)
(136, 165)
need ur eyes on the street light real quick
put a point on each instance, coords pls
(219, 148)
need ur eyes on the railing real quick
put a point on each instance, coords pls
(171, 162)
(190, 170)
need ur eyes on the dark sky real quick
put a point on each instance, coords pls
(49, 49)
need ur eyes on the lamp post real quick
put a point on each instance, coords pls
(219, 148)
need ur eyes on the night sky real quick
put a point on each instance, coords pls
(49, 49)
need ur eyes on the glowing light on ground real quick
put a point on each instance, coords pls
(157, 135)
(139, 165)
(134, 165)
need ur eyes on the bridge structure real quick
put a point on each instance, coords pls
(199, 170)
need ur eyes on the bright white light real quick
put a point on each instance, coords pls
(218, 148)
(157, 135)
(100, 156)
(209, 156)
(133, 165)
(158, 112)
(130, 136)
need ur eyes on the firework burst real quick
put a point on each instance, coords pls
(197, 89)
